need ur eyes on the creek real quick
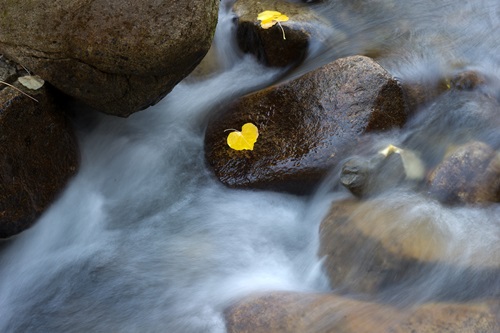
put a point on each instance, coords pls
(145, 239)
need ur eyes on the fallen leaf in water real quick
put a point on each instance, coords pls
(269, 18)
(245, 139)
(32, 82)
(413, 165)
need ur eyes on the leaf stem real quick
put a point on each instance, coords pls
(282, 30)
(19, 90)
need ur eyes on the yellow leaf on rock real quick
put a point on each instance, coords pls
(245, 139)
(269, 18)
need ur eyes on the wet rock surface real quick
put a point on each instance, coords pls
(118, 57)
(472, 115)
(469, 174)
(365, 176)
(422, 93)
(304, 125)
(461, 163)
(38, 154)
(389, 244)
(288, 312)
(303, 28)
(455, 167)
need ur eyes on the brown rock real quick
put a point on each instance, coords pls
(387, 243)
(470, 174)
(304, 125)
(420, 93)
(38, 154)
(7, 71)
(287, 312)
(468, 80)
(423, 92)
(119, 57)
(268, 45)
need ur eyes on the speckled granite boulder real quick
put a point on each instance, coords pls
(119, 57)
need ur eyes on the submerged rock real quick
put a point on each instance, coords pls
(293, 312)
(454, 119)
(468, 80)
(38, 154)
(421, 93)
(118, 57)
(304, 125)
(396, 242)
(274, 46)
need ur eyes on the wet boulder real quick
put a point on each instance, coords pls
(285, 44)
(38, 154)
(118, 57)
(469, 174)
(405, 242)
(293, 312)
(304, 125)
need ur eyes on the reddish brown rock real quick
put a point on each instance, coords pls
(288, 312)
(304, 125)
(38, 154)
(119, 56)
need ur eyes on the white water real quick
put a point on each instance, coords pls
(144, 239)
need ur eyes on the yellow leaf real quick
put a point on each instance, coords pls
(412, 164)
(245, 139)
(269, 18)
(268, 15)
(390, 149)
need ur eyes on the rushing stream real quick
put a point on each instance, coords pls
(145, 239)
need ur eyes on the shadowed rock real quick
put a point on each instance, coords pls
(38, 154)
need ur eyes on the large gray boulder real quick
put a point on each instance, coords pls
(117, 56)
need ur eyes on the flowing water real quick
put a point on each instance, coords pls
(144, 239)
